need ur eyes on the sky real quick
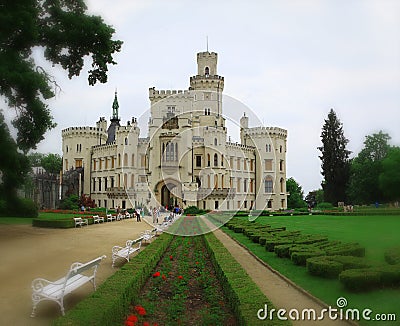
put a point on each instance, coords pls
(289, 62)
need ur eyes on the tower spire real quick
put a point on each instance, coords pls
(115, 107)
(207, 42)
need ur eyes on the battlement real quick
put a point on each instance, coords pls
(94, 131)
(97, 148)
(266, 131)
(239, 146)
(143, 141)
(160, 94)
(207, 55)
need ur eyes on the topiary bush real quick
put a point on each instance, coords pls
(392, 256)
(360, 279)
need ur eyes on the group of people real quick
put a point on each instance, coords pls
(138, 213)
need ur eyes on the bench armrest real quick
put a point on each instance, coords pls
(39, 283)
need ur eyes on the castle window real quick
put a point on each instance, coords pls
(198, 161)
(106, 163)
(245, 185)
(281, 165)
(280, 149)
(99, 184)
(282, 183)
(133, 160)
(78, 163)
(215, 141)
(268, 185)
(222, 159)
(208, 160)
(207, 111)
(105, 183)
(215, 160)
(66, 148)
(268, 165)
(269, 205)
(268, 148)
(238, 185)
(207, 71)
(171, 109)
(126, 140)
(119, 160)
(125, 159)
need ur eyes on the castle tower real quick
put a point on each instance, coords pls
(114, 121)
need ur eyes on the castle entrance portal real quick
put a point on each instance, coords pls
(167, 197)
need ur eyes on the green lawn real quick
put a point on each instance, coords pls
(376, 233)
(42, 215)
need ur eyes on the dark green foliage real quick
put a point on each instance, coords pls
(295, 198)
(335, 160)
(365, 169)
(332, 266)
(392, 256)
(194, 210)
(389, 179)
(52, 163)
(71, 202)
(360, 279)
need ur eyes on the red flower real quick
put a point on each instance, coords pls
(156, 274)
(145, 323)
(197, 262)
(155, 324)
(129, 323)
(164, 277)
(171, 258)
(140, 310)
(132, 318)
(180, 277)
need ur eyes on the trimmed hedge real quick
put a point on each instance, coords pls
(392, 256)
(109, 304)
(368, 278)
(360, 279)
(64, 223)
(332, 266)
(243, 294)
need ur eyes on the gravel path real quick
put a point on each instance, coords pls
(28, 252)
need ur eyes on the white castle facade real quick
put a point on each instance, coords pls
(186, 158)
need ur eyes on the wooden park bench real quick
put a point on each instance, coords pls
(79, 221)
(98, 219)
(78, 275)
(131, 246)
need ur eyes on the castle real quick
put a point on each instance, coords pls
(186, 158)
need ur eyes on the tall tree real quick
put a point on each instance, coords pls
(52, 163)
(335, 159)
(295, 199)
(389, 179)
(67, 35)
(366, 168)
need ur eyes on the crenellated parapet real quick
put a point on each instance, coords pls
(79, 131)
(233, 146)
(209, 82)
(156, 95)
(266, 131)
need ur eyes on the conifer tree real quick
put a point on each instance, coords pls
(335, 160)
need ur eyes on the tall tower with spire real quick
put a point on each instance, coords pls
(115, 121)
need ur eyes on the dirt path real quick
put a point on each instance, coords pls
(283, 294)
(28, 252)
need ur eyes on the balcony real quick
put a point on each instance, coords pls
(204, 193)
(120, 192)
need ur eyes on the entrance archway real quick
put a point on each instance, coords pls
(167, 197)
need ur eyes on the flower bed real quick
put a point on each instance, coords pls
(182, 290)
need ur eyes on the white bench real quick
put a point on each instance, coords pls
(148, 234)
(110, 218)
(79, 221)
(131, 246)
(78, 275)
(98, 219)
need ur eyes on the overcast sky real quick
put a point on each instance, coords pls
(289, 62)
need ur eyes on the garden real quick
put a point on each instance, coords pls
(356, 257)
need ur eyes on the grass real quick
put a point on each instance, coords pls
(376, 233)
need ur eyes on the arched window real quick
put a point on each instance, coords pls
(125, 159)
(222, 159)
(208, 160)
(282, 183)
(132, 180)
(215, 141)
(126, 140)
(119, 160)
(133, 159)
(215, 159)
(280, 149)
(207, 71)
(281, 165)
(268, 185)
